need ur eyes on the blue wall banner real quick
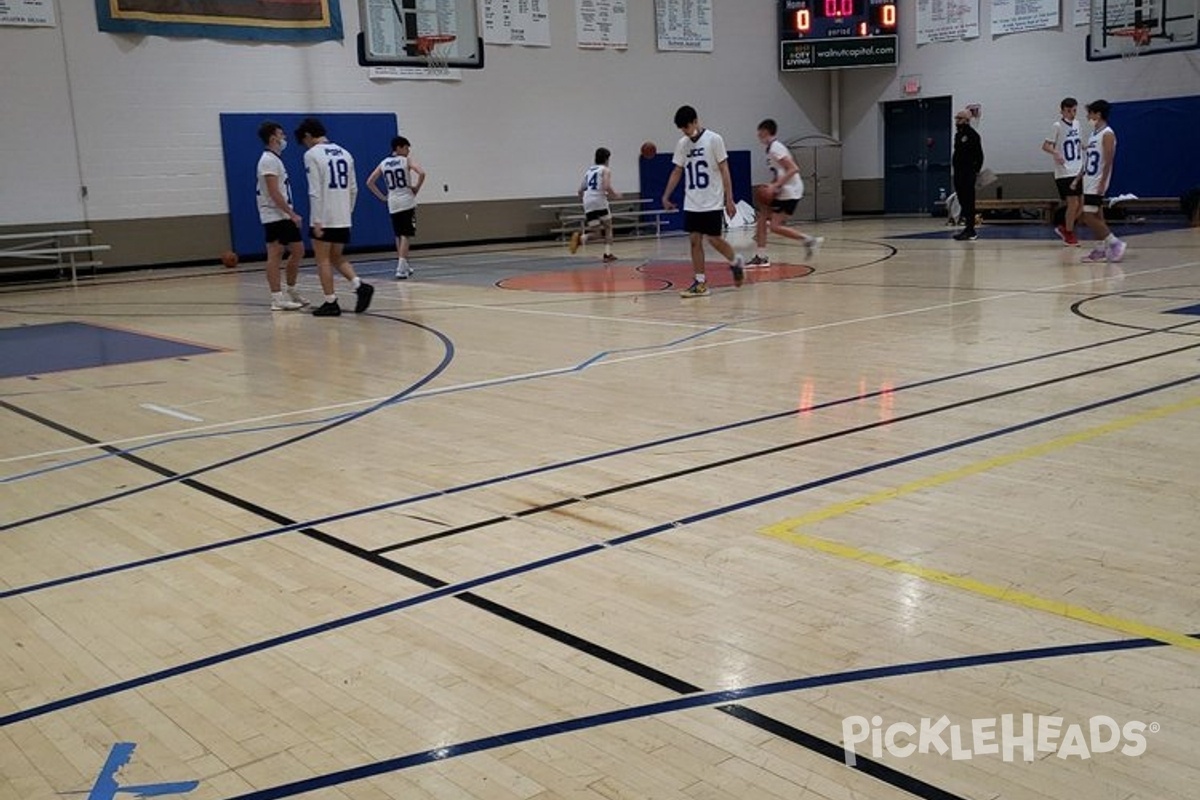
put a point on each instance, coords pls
(256, 20)
(368, 137)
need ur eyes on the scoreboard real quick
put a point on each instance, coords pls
(832, 34)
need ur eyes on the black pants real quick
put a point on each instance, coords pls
(964, 189)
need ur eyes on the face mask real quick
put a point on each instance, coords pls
(282, 145)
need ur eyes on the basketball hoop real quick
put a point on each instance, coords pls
(1138, 35)
(436, 48)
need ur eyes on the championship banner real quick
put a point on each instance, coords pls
(257, 20)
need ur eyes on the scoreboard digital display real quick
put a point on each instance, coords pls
(833, 34)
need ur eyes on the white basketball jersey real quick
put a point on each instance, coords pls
(704, 190)
(398, 180)
(271, 164)
(1094, 180)
(1067, 143)
(793, 189)
(332, 186)
(594, 196)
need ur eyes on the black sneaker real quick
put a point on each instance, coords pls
(328, 309)
(738, 270)
(966, 236)
(365, 292)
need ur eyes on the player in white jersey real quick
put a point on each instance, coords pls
(785, 190)
(595, 190)
(403, 178)
(332, 190)
(700, 155)
(281, 223)
(1065, 146)
(1094, 178)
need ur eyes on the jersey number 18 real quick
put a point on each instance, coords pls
(339, 173)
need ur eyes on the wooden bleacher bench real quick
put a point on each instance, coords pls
(39, 251)
(1147, 204)
(1044, 207)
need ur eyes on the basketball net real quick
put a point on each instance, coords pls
(1139, 38)
(436, 49)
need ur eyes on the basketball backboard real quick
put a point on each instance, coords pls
(392, 31)
(1126, 28)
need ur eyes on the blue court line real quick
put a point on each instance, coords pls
(118, 453)
(404, 397)
(546, 468)
(447, 357)
(533, 566)
(693, 701)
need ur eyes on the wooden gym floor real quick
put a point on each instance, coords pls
(536, 528)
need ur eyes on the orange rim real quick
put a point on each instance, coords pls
(425, 44)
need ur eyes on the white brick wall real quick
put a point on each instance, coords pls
(145, 109)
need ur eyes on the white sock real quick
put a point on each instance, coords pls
(357, 282)
(277, 296)
(331, 298)
(700, 278)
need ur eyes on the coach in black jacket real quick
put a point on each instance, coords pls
(967, 161)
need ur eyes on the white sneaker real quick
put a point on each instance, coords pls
(296, 297)
(812, 244)
(404, 273)
(285, 304)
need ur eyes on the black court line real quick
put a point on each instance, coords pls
(766, 451)
(592, 721)
(173, 477)
(817, 745)
(570, 555)
(1077, 310)
(496, 480)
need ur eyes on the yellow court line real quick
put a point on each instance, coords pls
(838, 509)
(787, 531)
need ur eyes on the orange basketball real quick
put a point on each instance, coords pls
(649, 150)
(764, 195)
(229, 259)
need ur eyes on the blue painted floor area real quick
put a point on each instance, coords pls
(1034, 231)
(38, 349)
(1192, 310)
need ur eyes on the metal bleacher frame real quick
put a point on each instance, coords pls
(42, 251)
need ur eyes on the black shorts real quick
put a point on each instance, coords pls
(331, 235)
(404, 223)
(1096, 201)
(595, 216)
(1065, 190)
(709, 223)
(283, 231)
(785, 206)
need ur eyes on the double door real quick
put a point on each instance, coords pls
(917, 140)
